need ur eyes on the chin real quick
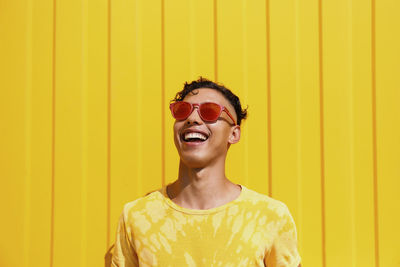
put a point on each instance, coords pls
(194, 162)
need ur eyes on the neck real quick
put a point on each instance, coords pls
(202, 188)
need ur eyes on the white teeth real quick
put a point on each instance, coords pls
(195, 135)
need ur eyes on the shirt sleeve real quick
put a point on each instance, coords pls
(283, 251)
(124, 254)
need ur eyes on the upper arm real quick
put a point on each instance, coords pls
(283, 251)
(124, 254)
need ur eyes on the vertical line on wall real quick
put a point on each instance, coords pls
(351, 96)
(374, 142)
(245, 86)
(321, 111)
(53, 136)
(108, 125)
(138, 96)
(28, 137)
(299, 114)
(215, 42)
(192, 39)
(84, 130)
(162, 93)
(269, 131)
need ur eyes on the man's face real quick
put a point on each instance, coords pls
(194, 152)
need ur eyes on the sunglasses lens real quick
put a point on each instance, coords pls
(210, 111)
(181, 110)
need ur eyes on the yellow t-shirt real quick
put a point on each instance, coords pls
(252, 230)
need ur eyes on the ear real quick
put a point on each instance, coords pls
(234, 137)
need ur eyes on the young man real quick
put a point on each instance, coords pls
(203, 219)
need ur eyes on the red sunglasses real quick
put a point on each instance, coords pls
(208, 111)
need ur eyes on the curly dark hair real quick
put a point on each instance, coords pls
(241, 114)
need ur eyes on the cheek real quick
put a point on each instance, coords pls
(221, 137)
(176, 128)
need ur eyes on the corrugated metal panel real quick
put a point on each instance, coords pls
(386, 66)
(85, 125)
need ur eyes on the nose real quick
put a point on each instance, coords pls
(194, 117)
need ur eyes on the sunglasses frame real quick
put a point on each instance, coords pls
(193, 105)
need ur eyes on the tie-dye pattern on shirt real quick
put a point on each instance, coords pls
(252, 230)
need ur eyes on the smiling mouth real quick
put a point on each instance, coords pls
(194, 137)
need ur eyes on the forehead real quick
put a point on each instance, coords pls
(206, 95)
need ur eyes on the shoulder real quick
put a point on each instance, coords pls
(150, 201)
(266, 204)
(273, 213)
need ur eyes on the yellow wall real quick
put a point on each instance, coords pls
(85, 125)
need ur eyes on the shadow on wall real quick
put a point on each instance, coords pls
(108, 256)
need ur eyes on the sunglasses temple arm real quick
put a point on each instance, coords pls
(230, 116)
